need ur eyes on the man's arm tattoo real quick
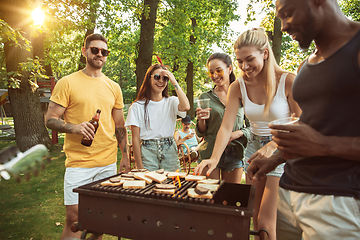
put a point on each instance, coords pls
(59, 125)
(120, 133)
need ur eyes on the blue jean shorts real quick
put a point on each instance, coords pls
(229, 160)
(255, 143)
(160, 154)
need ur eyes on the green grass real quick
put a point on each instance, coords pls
(35, 209)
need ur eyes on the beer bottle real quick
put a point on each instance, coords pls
(95, 122)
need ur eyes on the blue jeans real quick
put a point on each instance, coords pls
(160, 154)
(255, 143)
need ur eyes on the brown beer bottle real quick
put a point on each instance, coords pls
(95, 122)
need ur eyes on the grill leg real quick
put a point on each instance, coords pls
(257, 233)
(83, 234)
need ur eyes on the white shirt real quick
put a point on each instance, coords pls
(162, 118)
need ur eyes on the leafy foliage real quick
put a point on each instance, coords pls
(7, 33)
(351, 8)
(32, 66)
(175, 28)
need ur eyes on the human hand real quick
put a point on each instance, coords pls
(202, 113)
(299, 139)
(235, 135)
(172, 78)
(264, 152)
(124, 165)
(85, 129)
(189, 136)
(261, 166)
(209, 163)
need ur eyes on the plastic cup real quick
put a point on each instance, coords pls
(205, 105)
(285, 121)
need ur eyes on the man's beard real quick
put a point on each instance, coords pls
(94, 64)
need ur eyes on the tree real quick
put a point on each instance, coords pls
(186, 33)
(351, 8)
(146, 44)
(24, 101)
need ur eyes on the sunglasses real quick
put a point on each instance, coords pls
(95, 50)
(219, 72)
(158, 76)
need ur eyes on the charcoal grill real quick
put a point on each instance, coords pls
(142, 214)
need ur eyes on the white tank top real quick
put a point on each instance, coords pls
(279, 108)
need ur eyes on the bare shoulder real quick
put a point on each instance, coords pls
(290, 78)
(288, 83)
(234, 89)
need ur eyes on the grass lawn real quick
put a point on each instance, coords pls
(35, 209)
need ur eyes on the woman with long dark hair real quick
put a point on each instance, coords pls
(230, 166)
(152, 119)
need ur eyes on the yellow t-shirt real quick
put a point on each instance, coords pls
(82, 95)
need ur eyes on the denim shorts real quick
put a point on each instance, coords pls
(255, 143)
(160, 154)
(229, 160)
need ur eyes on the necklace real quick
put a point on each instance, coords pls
(219, 96)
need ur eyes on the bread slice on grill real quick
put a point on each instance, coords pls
(127, 178)
(156, 176)
(194, 178)
(209, 181)
(141, 176)
(134, 184)
(164, 191)
(191, 192)
(212, 187)
(175, 174)
(108, 183)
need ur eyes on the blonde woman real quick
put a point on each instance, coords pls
(265, 91)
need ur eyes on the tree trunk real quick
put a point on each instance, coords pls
(277, 39)
(25, 104)
(93, 6)
(189, 87)
(190, 75)
(146, 45)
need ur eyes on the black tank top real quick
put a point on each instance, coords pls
(328, 93)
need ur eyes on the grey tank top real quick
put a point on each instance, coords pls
(329, 95)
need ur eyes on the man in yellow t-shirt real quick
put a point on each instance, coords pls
(77, 97)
